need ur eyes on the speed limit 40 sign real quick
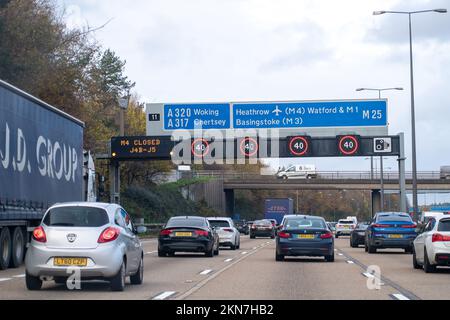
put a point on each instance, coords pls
(349, 145)
(299, 146)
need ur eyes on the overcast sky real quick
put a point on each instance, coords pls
(253, 50)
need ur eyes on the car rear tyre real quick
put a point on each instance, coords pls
(138, 277)
(409, 250)
(371, 249)
(161, 253)
(330, 258)
(60, 280)
(427, 267)
(366, 248)
(233, 247)
(353, 244)
(118, 281)
(272, 236)
(279, 257)
(336, 235)
(33, 283)
(18, 248)
(210, 253)
(5, 248)
(252, 237)
(216, 252)
(416, 265)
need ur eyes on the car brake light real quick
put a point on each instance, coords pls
(165, 232)
(39, 235)
(108, 235)
(437, 237)
(327, 235)
(284, 235)
(409, 226)
(202, 233)
(377, 225)
(228, 230)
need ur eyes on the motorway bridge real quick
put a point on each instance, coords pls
(428, 182)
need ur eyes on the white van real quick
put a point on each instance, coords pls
(301, 171)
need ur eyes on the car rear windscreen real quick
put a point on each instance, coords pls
(76, 217)
(391, 217)
(293, 224)
(186, 223)
(444, 226)
(263, 223)
(219, 223)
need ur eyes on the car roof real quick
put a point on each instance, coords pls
(101, 205)
(219, 218)
(442, 217)
(393, 213)
(302, 216)
(187, 217)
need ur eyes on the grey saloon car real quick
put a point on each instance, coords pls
(97, 239)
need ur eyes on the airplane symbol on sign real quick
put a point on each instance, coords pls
(277, 111)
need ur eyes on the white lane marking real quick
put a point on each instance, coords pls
(151, 252)
(340, 254)
(245, 252)
(5, 279)
(205, 272)
(335, 250)
(254, 248)
(228, 260)
(350, 262)
(19, 276)
(164, 295)
(399, 296)
(368, 275)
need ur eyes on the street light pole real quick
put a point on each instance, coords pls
(413, 116)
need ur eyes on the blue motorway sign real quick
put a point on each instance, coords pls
(196, 116)
(310, 114)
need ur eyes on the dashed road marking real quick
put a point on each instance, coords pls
(228, 260)
(398, 296)
(245, 252)
(164, 295)
(19, 276)
(368, 275)
(350, 262)
(205, 272)
(151, 252)
(340, 254)
(5, 279)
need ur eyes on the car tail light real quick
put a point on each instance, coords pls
(409, 226)
(284, 235)
(327, 235)
(165, 232)
(437, 237)
(228, 230)
(253, 227)
(108, 235)
(202, 233)
(377, 225)
(39, 235)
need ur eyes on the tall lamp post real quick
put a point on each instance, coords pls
(381, 157)
(413, 116)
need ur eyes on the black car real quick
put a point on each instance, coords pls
(358, 235)
(188, 234)
(262, 228)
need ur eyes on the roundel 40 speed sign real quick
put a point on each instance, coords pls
(299, 146)
(349, 145)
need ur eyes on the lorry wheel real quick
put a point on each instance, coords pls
(18, 248)
(5, 248)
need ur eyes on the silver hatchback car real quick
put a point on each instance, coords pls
(96, 239)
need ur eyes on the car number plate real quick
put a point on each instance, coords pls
(395, 236)
(305, 236)
(183, 234)
(63, 262)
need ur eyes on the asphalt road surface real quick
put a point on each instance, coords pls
(252, 273)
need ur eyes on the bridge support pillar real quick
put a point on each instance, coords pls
(376, 202)
(229, 202)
